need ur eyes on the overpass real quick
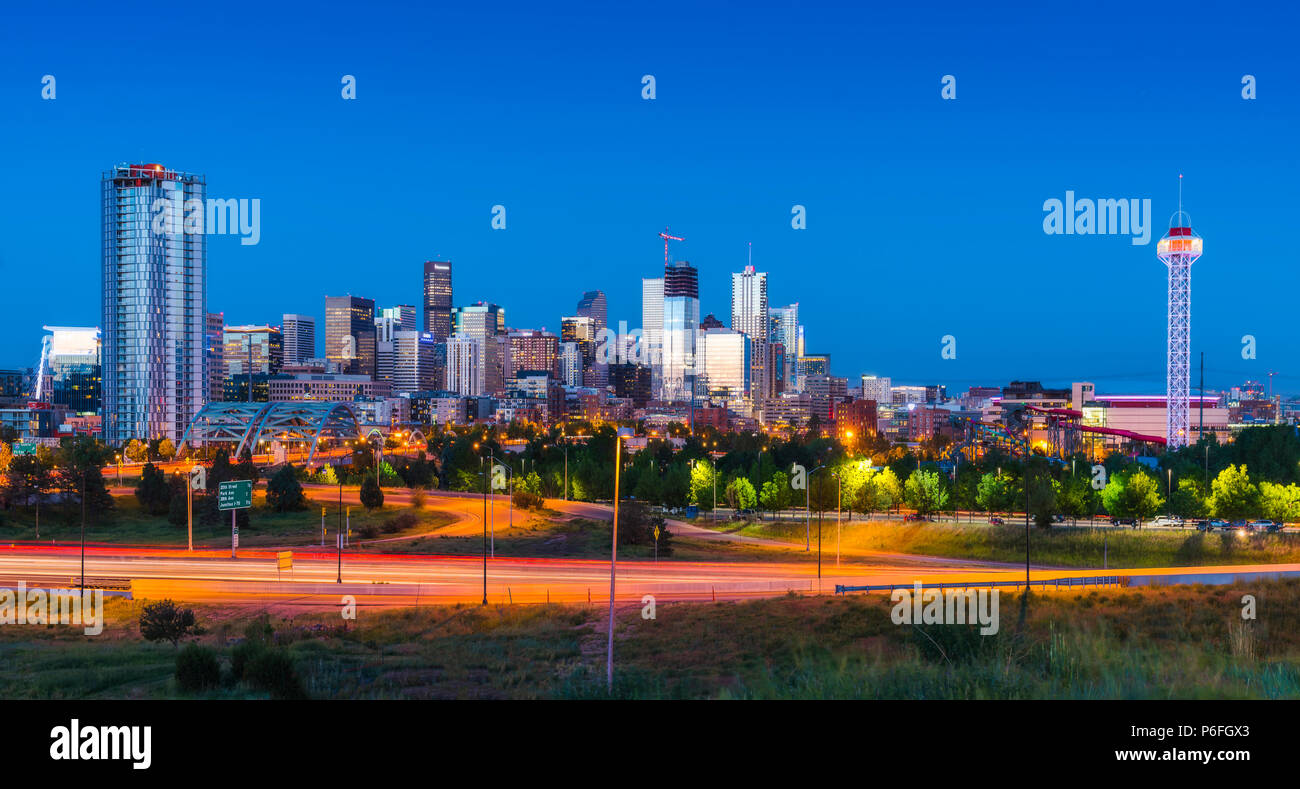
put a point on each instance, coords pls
(303, 423)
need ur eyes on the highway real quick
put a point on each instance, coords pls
(396, 580)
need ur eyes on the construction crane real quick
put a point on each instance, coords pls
(664, 235)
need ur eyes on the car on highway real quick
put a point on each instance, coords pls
(1263, 524)
(1133, 522)
(996, 521)
(1166, 521)
(912, 516)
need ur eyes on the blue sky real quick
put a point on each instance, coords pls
(924, 216)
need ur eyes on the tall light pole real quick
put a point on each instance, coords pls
(483, 473)
(838, 492)
(340, 532)
(808, 499)
(492, 468)
(623, 432)
(83, 528)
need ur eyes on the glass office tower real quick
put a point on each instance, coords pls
(437, 299)
(69, 373)
(681, 323)
(350, 334)
(155, 376)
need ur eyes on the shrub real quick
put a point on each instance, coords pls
(163, 621)
(417, 498)
(400, 522)
(372, 495)
(197, 668)
(368, 531)
(272, 670)
(152, 492)
(284, 492)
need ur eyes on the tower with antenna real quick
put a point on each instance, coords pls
(1178, 250)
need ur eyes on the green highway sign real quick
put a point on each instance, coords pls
(235, 495)
(24, 449)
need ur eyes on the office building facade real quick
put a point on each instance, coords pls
(154, 318)
(298, 333)
(437, 299)
(350, 334)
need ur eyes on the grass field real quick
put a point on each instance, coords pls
(1183, 642)
(128, 524)
(1061, 547)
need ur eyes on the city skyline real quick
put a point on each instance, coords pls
(948, 191)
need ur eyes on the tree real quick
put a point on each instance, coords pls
(284, 492)
(80, 470)
(740, 494)
(1042, 491)
(867, 498)
(152, 491)
(372, 496)
(775, 494)
(164, 621)
(925, 491)
(647, 486)
(1188, 499)
(1280, 502)
(703, 480)
(1136, 495)
(136, 451)
(1075, 498)
(821, 495)
(1232, 495)
(28, 481)
(528, 491)
(676, 488)
(327, 476)
(889, 490)
(6, 455)
(166, 449)
(993, 494)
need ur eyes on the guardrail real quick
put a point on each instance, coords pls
(107, 584)
(1056, 583)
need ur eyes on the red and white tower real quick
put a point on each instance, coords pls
(1178, 250)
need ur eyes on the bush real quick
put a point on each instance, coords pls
(272, 670)
(400, 522)
(242, 655)
(417, 498)
(526, 500)
(372, 495)
(163, 621)
(284, 492)
(152, 492)
(197, 668)
(368, 532)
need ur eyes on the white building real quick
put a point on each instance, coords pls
(464, 365)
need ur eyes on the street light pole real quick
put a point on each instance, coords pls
(340, 532)
(485, 529)
(83, 528)
(613, 557)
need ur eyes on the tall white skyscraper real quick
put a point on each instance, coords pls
(571, 364)
(652, 329)
(464, 365)
(155, 360)
(299, 335)
(749, 313)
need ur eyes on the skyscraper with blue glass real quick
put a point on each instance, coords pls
(155, 376)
